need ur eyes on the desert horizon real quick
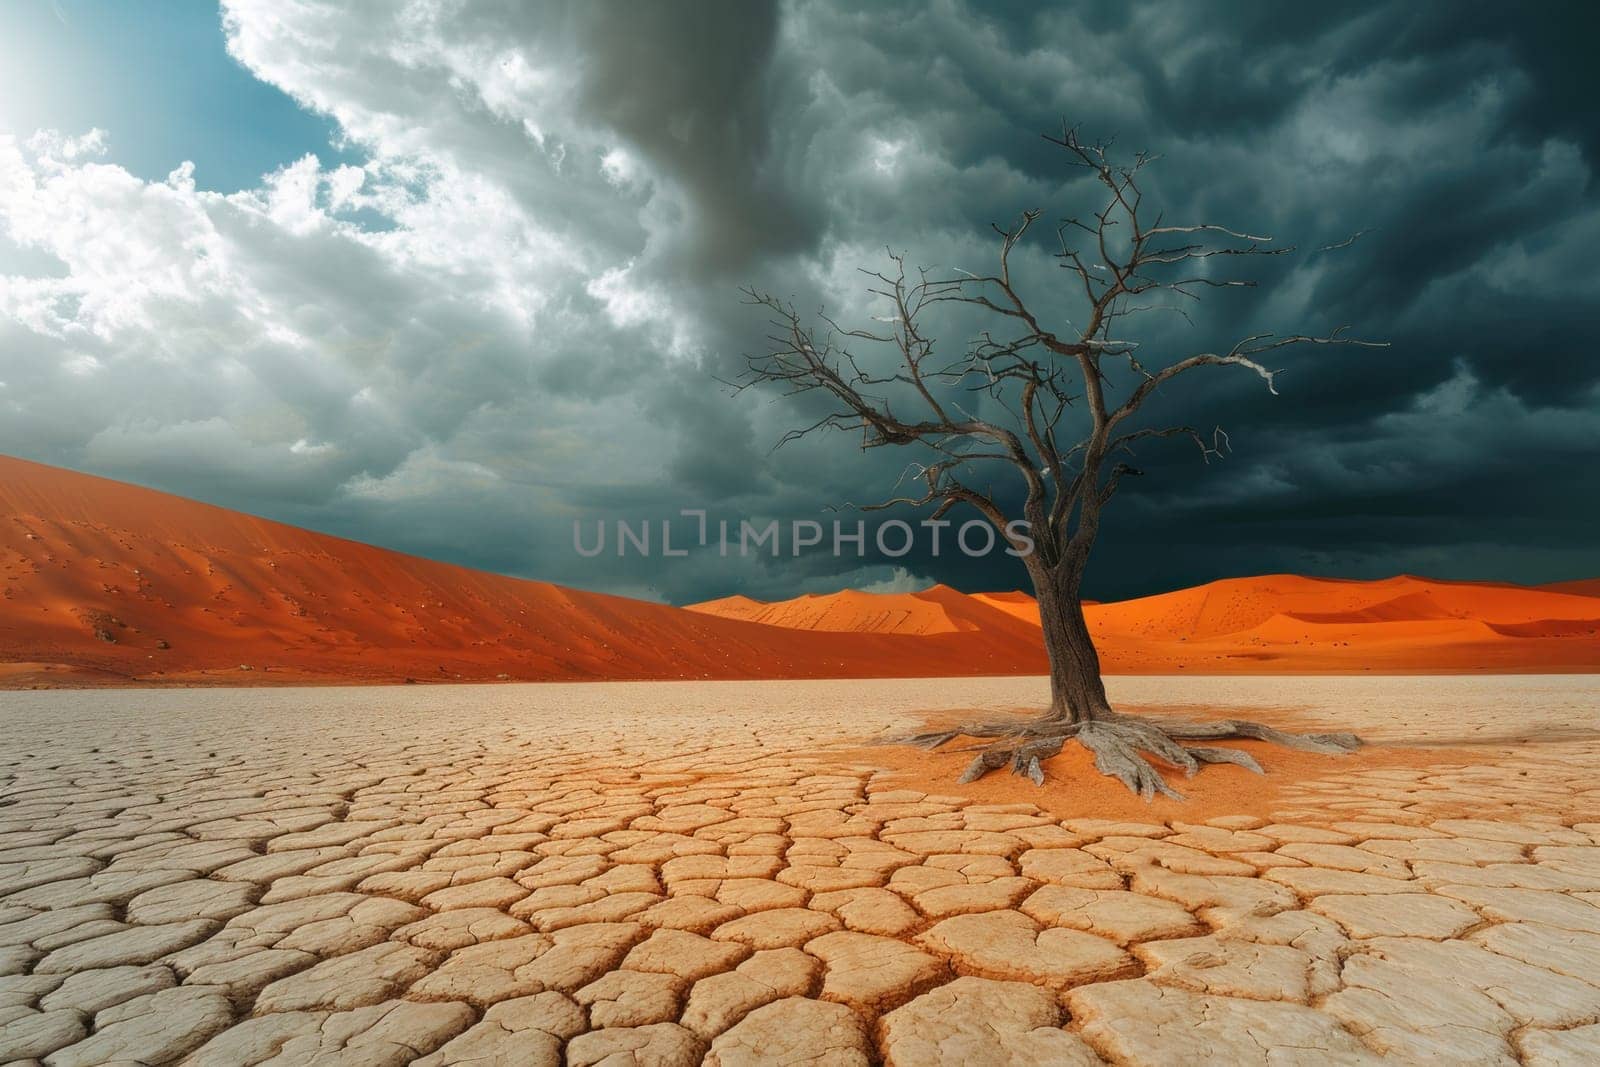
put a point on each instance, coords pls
(678, 869)
(185, 593)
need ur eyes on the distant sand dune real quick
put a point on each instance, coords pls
(104, 583)
(1277, 622)
(936, 610)
(1581, 587)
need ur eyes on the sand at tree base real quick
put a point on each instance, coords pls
(1217, 790)
(723, 872)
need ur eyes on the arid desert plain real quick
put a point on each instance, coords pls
(732, 872)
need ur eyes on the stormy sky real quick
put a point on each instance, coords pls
(448, 276)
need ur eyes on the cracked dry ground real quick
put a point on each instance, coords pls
(674, 874)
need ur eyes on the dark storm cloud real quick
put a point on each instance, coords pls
(572, 194)
(1459, 142)
(693, 88)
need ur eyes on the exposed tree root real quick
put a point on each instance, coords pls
(1120, 744)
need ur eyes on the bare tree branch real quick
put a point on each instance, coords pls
(1346, 243)
(901, 387)
(1056, 388)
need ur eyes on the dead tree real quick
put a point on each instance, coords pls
(1120, 266)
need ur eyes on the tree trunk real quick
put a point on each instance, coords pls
(1079, 711)
(1076, 692)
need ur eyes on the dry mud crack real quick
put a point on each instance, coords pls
(677, 874)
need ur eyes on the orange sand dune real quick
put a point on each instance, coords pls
(1581, 587)
(1234, 605)
(106, 583)
(936, 610)
(1276, 623)
(1285, 622)
(103, 582)
(1019, 605)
